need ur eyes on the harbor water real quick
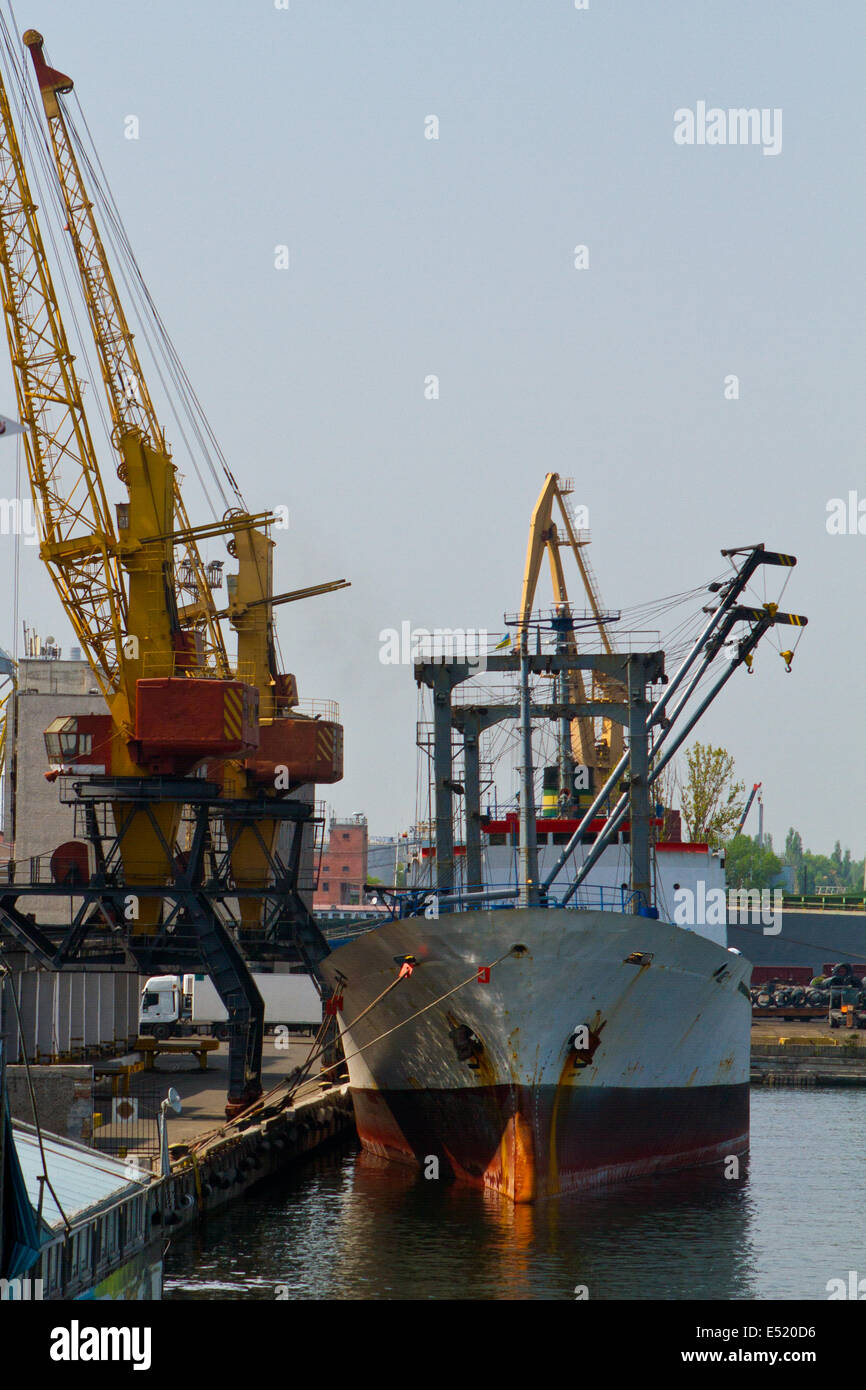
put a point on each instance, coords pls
(345, 1226)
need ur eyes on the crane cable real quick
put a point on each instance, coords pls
(43, 1179)
(154, 331)
(44, 183)
(136, 283)
(149, 320)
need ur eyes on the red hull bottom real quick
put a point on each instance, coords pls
(529, 1142)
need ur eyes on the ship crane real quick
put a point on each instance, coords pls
(596, 750)
(657, 728)
(731, 624)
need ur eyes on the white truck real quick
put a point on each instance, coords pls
(176, 1006)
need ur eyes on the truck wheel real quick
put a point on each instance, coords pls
(220, 1032)
(161, 1031)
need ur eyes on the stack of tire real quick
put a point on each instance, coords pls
(822, 992)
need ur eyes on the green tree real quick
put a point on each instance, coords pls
(711, 800)
(816, 873)
(794, 856)
(793, 846)
(856, 870)
(748, 865)
(821, 871)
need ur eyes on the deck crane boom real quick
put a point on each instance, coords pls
(596, 753)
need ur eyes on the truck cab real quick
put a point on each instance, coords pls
(160, 1007)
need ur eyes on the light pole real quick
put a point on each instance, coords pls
(171, 1102)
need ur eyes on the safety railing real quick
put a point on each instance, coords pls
(826, 902)
(328, 710)
(428, 901)
(184, 666)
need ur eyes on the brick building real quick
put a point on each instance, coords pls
(343, 866)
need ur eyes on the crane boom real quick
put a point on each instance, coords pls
(132, 411)
(748, 806)
(79, 543)
(543, 536)
(599, 754)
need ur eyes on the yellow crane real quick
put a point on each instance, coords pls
(283, 731)
(596, 748)
(115, 582)
(252, 599)
(135, 425)
(293, 748)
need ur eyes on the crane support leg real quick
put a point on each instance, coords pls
(236, 987)
(195, 931)
(232, 978)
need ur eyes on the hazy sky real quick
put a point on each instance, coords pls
(409, 256)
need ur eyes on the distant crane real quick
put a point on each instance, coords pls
(598, 750)
(752, 794)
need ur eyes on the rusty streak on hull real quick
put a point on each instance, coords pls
(490, 1136)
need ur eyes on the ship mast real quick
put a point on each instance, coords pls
(528, 829)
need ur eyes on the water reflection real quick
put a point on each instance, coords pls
(347, 1226)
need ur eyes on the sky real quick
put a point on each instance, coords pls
(307, 127)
